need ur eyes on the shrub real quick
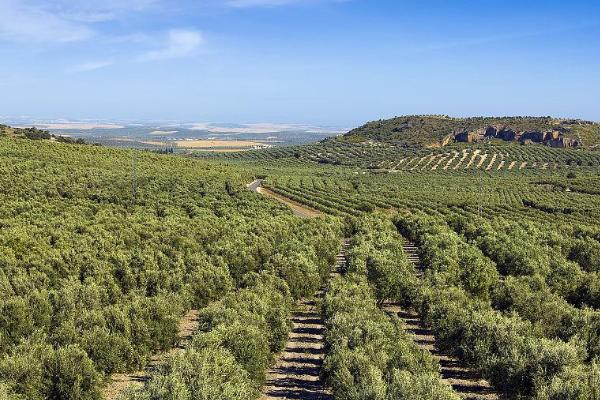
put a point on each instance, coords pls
(421, 386)
(207, 282)
(73, 376)
(26, 369)
(247, 344)
(377, 253)
(206, 374)
(239, 334)
(577, 383)
(368, 349)
(301, 275)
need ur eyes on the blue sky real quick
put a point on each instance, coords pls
(335, 62)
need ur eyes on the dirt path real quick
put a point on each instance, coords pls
(473, 157)
(489, 167)
(440, 161)
(464, 156)
(482, 159)
(419, 162)
(297, 372)
(119, 382)
(464, 381)
(454, 157)
(298, 209)
(428, 163)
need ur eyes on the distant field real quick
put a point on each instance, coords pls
(74, 126)
(200, 144)
(213, 145)
(138, 135)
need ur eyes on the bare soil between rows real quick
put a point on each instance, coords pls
(465, 382)
(296, 374)
(118, 383)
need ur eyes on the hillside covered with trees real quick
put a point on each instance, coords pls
(440, 130)
(36, 134)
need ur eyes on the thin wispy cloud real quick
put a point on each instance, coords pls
(94, 10)
(274, 3)
(91, 66)
(180, 43)
(24, 22)
(61, 21)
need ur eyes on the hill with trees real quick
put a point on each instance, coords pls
(441, 130)
(34, 133)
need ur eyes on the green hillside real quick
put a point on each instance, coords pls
(437, 131)
(36, 134)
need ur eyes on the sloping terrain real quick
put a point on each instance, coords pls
(36, 134)
(438, 131)
(492, 157)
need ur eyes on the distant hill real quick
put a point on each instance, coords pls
(441, 130)
(36, 134)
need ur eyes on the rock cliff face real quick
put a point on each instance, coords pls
(552, 138)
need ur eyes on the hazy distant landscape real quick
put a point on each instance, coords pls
(182, 136)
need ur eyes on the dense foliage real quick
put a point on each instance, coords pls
(376, 253)
(37, 134)
(102, 251)
(229, 355)
(431, 130)
(523, 341)
(370, 356)
(510, 246)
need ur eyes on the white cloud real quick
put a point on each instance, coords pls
(95, 10)
(59, 21)
(91, 66)
(23, 22)
(180, 43)
(254, 3)
(274, 3)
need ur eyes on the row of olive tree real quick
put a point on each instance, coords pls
(370, 356)
(96, 277)
(507, 348)
(228, 357)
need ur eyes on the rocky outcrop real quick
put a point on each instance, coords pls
(491, 132)
(466, 137)
(535, 137)
(563, 142)
(553, 138)
(507, 134)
